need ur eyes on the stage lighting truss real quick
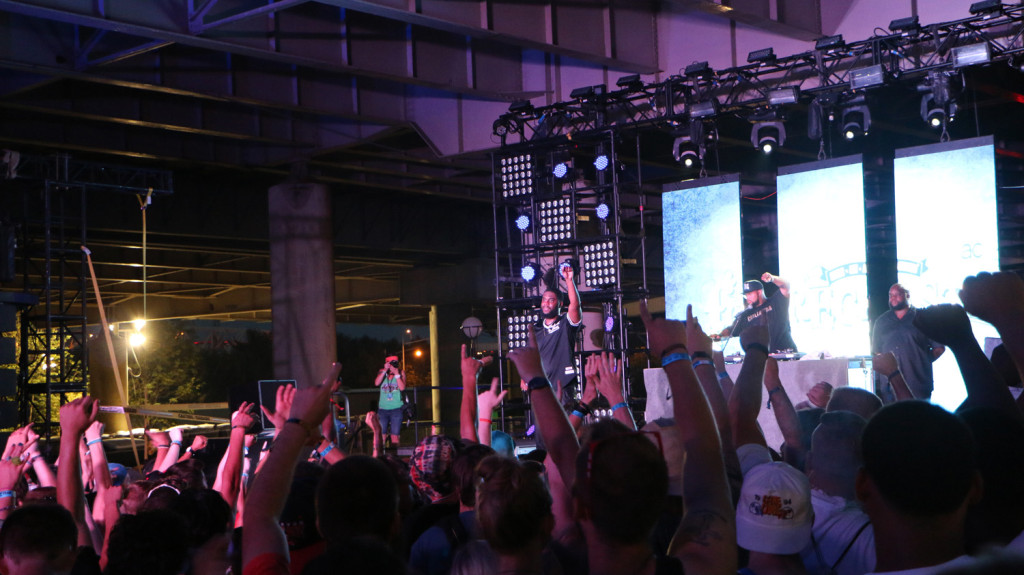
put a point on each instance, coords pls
(516, 174)
(518, 326)
(555, 220)
(600, 265)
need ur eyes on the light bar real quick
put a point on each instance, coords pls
(554, 220)
(516, 176)
(787, 95)
(867, 76)
(971, 54)
(599, 264)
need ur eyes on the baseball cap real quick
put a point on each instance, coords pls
(752, 285)
(118, 473)
(774, 514)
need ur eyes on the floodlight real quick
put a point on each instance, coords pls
(560, 170)
(530, 273)
(764, 56)
(786, 95)
(697, 70)
(856, 121)
(909, 25)
(517, 328)
(631, 82)
(603, 211)
(523, 221)
(986, 7)
(766, 136)
(829, 43)
(521, 107)
(704, 109)
(554, 220)
(516, 175)
(867, 76)
(601, 162)
(599, 263)
(971, 55)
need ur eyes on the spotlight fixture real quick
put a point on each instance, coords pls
(986, 7)
(971, 55)
(517, 328)
(603, 211)
(829, 43)
(523, 221)
(867, 77)
(516, 176)
(601, 162)
(609, 323)
(763, 56)
(560, 170)
(554, 220)
(689, 159)
(704, 108)
(631, 83)
(910, 25)
(697, 70)
(855, 118)
(786, 95)
(768, 135)
(501, 127)
(937, 114)
(599, 263)
(587, 92)
(521, 107)
(530, 273)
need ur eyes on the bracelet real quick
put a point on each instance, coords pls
(326, 450)
(301, 424)
(673, 347)
(701, 362)
(619, 405)
(723, 375)
(770, 392)
(6, 493)
(164, 446)
(238, 427)
(93, 442)
(674, 357)
(894, 374)
(700, 355)
(35, 457)
(583, 407)
(757, 346)
(539, 382)
(579, 414)
(487, 421)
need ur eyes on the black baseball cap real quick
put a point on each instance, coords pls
(752, 285)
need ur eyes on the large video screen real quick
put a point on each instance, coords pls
(822, 254)
(703, 260)
(946, 230)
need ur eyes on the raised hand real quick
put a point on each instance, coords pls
(77, 415)
(312, 404)
(282, 405)
(527, 359)
(199, 443)
(608, 382)
(590, 379)
(489, 399)
(470, 365)
(175, 434)
(696, 339)
(754, 335)
(767, 277)
(945, 323)
(242, 417)
(373, 421)
(662, 333)
(884, 363)
(996, 298)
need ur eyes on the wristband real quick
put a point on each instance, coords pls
(665, 360)
(770, 392)
(487, 421)
(701, 362)
(539, 382)
(245, 450)
(672, 348)
(175, 442)
(164, 446)
(579, 414)
(757, 346)
(723, 375)
(35, 457)
(700, 355)
(93, 442)
(619, 405)
(583, 407)
(236, 427)
(894, 374)
(326, 450)
(6, 493)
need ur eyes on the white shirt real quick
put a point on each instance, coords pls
(836, 523)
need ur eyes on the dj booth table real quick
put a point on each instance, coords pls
(798, 376)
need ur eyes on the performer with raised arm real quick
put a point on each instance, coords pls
(772, 312)
(391, 382)
(556, 332)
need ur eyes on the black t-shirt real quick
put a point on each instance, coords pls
(556, 343)
(773, 313)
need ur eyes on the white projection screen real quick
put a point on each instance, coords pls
(703, 260)
(822, 254)
(946, 230)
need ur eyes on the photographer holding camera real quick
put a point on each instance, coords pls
(389, 409)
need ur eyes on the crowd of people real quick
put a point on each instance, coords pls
(861, 484)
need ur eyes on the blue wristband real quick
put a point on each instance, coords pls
(579, 413)
(674, 357)
(6, 493)
(326, 450)
(176, 442)
(700, 362)
(621, 404)
(94, 441)
(723, 375)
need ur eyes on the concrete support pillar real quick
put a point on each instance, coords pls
(302, 282)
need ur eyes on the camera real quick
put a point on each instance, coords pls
(393, 363)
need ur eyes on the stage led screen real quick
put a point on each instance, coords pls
(946, 230)
(703, 261)
(822, 254)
